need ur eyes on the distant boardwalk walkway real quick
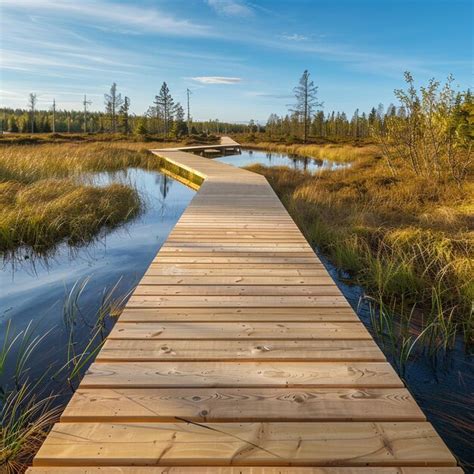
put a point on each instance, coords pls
(237, 349)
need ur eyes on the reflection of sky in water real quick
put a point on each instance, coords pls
(35, 289)
(251, 157)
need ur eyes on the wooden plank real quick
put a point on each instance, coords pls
(230, 270)
(115, 350)
(236, 290)
(244, 267)
(245, 405)
(241, 374)
(233, 330)
(237, 301)
(130, 314)
(235, 280)
(161, 259)
(344, 444)
(234, 252)
(241, 470)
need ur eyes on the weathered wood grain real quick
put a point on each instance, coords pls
(237, 354)
(227, 330)
(342, 444)
(241, 470)
(234, 404)
(241, 374)
(236, 301)
(238, 314)
(236, 290)
(136, 350)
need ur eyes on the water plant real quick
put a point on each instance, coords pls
(31, 400)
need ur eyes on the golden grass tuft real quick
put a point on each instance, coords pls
(44, 213)
(404, 238)
(45, 202)
(333, 152)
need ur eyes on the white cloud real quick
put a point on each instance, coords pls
(100, 12)
(295, 37)
(231, 7)
(217, 80)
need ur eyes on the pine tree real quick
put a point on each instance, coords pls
(125, 115)
(113, 102)
(164, 104)
(141, 128)
(12, 125)
(306, 100)
(32, 104)
(180, 127)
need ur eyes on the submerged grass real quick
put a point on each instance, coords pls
(408, 240)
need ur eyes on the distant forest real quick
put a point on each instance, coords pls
(304, 122)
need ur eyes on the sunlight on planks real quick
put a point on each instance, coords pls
(238, 349)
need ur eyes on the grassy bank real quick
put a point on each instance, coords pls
(334, 152)
(48, 211)
(44, 200)
(407, 239)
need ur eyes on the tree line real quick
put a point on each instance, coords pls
(306, 120)
(164, 117)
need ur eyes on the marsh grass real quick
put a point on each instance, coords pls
(406, 239)
(50, 211)
(25, 422)
(45, 201)
(334, 152)
(30, 404)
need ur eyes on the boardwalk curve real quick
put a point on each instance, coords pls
(237, 354)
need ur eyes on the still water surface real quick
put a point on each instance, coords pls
(270, 158)
(35, 290)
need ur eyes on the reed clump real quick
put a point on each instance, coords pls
(407, 239)
(49, 211)
(45, 199)
(335, 152)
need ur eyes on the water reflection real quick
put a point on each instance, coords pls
(296, 162)
(36, 289)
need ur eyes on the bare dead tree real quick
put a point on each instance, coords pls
(32, 105)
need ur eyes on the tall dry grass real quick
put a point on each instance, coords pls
(44, 201)
(334, 152)
(407, 239)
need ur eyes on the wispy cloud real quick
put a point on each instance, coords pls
(135, 19)
(231, 8)
(295, 37)
(267, 95)
(217, 80)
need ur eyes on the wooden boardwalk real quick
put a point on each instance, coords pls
(237, 354)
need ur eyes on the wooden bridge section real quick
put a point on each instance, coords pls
(238, 354)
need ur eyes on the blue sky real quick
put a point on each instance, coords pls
(240, 58)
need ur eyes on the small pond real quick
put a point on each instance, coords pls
(270, 158)
(35, 292)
